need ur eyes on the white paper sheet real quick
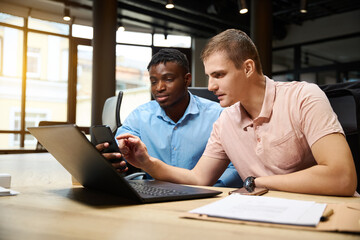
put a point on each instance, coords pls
(265, 209)
(7, 192)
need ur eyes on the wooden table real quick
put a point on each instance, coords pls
(50, 207)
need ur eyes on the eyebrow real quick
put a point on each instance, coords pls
(162, 75)
(217, 72)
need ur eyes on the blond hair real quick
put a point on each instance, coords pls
(237, 45)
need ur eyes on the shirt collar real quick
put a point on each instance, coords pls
(191, 109)
(266, 109)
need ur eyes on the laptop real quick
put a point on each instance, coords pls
(85, 163)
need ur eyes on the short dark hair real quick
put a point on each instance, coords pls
(237, 45)
(169, 55)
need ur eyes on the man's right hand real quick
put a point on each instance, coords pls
(134, 150)
(114, 157)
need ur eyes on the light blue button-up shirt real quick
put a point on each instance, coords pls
(178, 144)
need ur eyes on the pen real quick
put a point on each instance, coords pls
(326, 214)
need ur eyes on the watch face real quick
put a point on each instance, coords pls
(249, 184)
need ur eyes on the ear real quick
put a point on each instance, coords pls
(188, 79)
(249, 67)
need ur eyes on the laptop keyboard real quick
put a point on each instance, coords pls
(154, 191)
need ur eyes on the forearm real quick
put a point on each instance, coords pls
(318, 179)
(206, 171)
(334, 173)
(164, 172)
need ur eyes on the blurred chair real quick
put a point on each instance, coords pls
(204, 93)
(111, 117)
(345, 101)
(111, 112)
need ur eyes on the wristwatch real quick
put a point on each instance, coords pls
(249, 184)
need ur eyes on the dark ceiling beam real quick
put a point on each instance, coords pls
(179, 12)
(189, 10)
(76, 4)
(166, 18)
(289, 7)
(172, 16)
(191, 16)
(159, 28)
(288, 11)
(168, 25)
(181, 24)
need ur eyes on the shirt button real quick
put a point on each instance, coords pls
(175, 128)
(259, 139)
(174, 148)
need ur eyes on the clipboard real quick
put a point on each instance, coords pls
(345, 218)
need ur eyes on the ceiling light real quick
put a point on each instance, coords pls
(303, 8)
(242, 7)
(66, 16)
(121, 27)
(169, 4)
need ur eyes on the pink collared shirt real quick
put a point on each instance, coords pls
(294, 116)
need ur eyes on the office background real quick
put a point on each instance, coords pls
(57, 70)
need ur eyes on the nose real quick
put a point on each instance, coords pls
(160, 86)
(212, 86)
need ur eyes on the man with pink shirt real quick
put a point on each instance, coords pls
(281, 136)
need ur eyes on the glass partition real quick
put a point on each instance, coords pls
(39, 91)
(162, 40)
(283, 60)
(10, 19)
(11, 65)
(47, 79)
(331, 52)
(133, 38)
(81, 31)
(48, 26)
(84, 85)
(132, 76)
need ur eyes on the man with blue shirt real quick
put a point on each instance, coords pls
(176, 125)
